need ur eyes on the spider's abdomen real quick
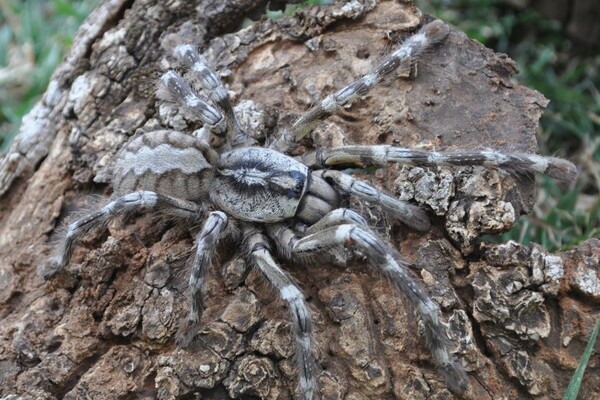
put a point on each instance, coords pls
(259, 185)
(166, 162)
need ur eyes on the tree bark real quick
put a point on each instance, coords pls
(518, 316)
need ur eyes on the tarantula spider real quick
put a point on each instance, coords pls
(283, 204)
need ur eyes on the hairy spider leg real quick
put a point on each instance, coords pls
(143, 200)
(395, 269)
(409, 51)
(174, 88)
(211, 83)
(381, 155)
(336, 217)
(284, 236)
(206, 244)
(260, 256)
(407, 213)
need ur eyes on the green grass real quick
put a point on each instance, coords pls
(552, 64)
(34, 36)
(577, 379)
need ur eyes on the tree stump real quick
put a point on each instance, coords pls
(518, 316)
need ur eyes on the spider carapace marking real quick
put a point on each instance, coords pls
(251, 176)
(284, 204)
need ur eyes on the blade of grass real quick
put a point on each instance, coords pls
(575, 384)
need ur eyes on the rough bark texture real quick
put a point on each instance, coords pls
(519, 316)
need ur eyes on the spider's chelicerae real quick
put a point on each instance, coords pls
(284, 205)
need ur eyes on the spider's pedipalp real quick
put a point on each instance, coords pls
(381, 155)
(206, 243)
(143, 200)
(336, 217)
(285, 238)
(213, 86)
(409, 214)
(174, 88)
(412, 47)
(380, 254)
(301, 319)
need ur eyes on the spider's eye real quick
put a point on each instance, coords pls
(289, 183)
(299, 180)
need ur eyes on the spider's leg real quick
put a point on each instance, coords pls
(261, 257)
(336, 217)
(213, 86)
(397, 271)
(173, 87)
(284, 237)
(381, 155)
(409, 214)
(206, 243)
(123, 205)
(412, 48)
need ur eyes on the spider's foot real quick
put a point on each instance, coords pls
(417, 219)
(436, 31)
(49, 269)
(455, 376)
(561, 170)
(186, 333)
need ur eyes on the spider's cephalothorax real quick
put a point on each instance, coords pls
(284, 204)
(251, 176)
